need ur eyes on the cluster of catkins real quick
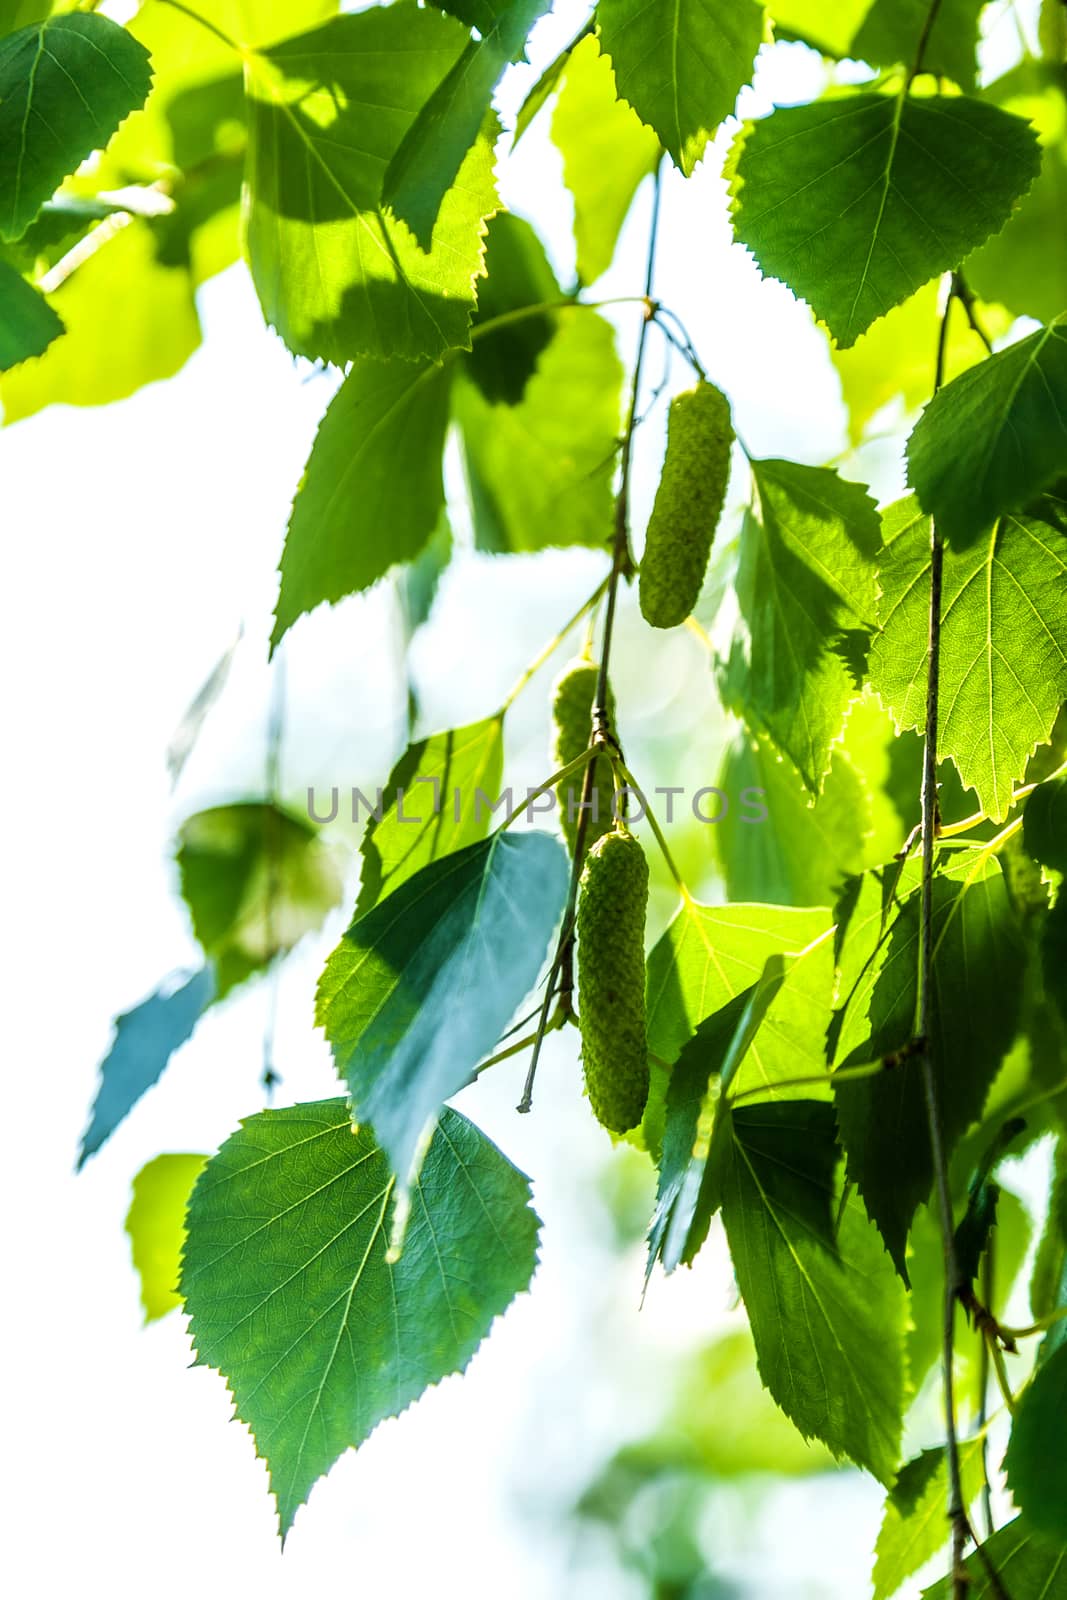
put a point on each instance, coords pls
(613, 893)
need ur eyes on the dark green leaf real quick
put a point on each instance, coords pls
(541, 472)
(256, 879)
(433, 780)
(431, 153)
(373, 490)
(994, 437)
(979, 960)
(338, 275)
(27, 322)
(145, 1039)
(681, 64)
(827, 1314)
(420, 988)
(1003, 643)
(292, 1296)
(65, 85)
(891, 31)
(606, 153)
(857, 201)
(1045, 824)
(1036, 1462)
(1028, 1566)
(685, 1199)
(983, 1194)
(806, 587)
(155, 1223)
(518, 275)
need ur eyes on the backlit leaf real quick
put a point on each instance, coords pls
(155, 1223)
(292, 1296)
(857, 201)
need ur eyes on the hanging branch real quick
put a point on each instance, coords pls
(562, 969)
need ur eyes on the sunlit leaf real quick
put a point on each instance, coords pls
(155, 1223)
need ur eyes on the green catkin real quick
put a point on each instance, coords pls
(612, 903)
(688, 505)
(572, 720)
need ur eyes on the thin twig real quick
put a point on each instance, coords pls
(988, 1290)
(924, 40)
(272, 846)
(925, 1021)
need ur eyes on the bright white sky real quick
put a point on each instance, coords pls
(139, 538)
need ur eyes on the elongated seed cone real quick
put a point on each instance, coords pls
(612, 903)
(688, 505)
(572, 719)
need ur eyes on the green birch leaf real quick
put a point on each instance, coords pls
(46, 131)
(431, 153)
(915, 1522)
(606, 153)
(145, 1039)
(975, 1227)
(707, 956)
(806, 589)
(255, 23)
(256, 879)
(857, 201)
(292, 1295)
(994, 438)
(432, 806)
(541, 471)
(800, 853)
(27, 322)
(518, 275)
(373, 490)
(1029, 1566)
(895, 357)
(830, 29)
(892, 29)
(687, 1191)
(20, 13)
(1045, 824)
(827, 1313)
(155, 1223)
(548, 83)
(1036, 1462)
(979, 960)
(681, 64)
(1003, 642)
(421, 987)
(1025, 265)
(130, 321)
(337, 274)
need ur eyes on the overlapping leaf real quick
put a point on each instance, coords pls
(293, 1297)
(1036, 1463)
(914, 1526)
(1028, 1567)
(27, 322)
(856, 202)
(994, 438)
(46, 130)
(806, 587)
(826, 1311)
(256, 879)
(665, 66)
(541, 471)
(978, 966)
(421, 987)
(337, 274)
(432, 806)
(373, 490)
(892, 29)
(503, 359)
(800, 853)
(606, 153)
(1003, 642)
(432, 150)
